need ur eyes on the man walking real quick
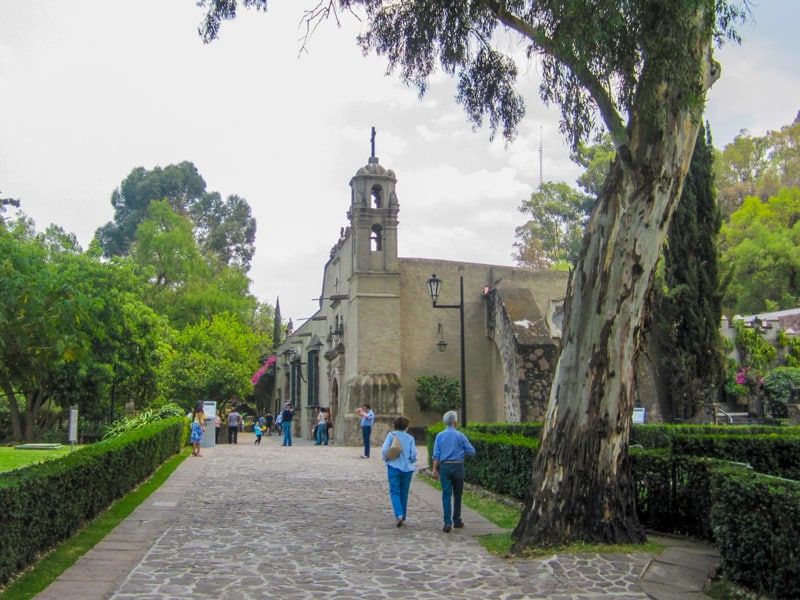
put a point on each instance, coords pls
(286, 424)
(449, 450)
(234, 420)
(367, 419)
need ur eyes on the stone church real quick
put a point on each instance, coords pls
(377, 330)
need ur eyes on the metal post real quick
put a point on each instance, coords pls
(433, 290)
(463, 361)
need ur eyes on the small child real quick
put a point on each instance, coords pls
(259, 433)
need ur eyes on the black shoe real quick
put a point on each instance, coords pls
(446, 528)
(400, 522)
(458, 525)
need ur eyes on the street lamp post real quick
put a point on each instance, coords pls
(434, 287)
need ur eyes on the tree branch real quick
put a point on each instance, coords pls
(603, 100)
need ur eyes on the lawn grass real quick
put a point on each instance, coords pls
(11, 458)
(44, 572)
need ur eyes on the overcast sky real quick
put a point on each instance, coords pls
(91, 89)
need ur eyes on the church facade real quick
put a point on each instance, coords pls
(377, 330)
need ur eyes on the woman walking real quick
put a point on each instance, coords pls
(400, 467)
(198, 427)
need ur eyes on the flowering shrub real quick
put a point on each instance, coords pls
(264, 368)
(736, 381)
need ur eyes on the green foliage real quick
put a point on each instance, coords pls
(581, 49)
(86, 482)
(167, 411)
(731, 386)
(756, 352)
(687, 308)
(71, 329)
(224, 230)
(673, 492)
(756, 525)
(771, 454)
(51, 566)
(557, 216)
(759, 254)
(212, 360)
(778, 387)
(438, 393)
(758, 166)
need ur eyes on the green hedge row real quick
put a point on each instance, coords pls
(688, 486)
(662, 436)
(771, 454)
(46, 503)
(756, 521)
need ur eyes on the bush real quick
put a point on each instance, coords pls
(47, 502)
(778, 386)
(756, 524)
(438, 393)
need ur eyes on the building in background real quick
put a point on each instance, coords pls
(376, 330)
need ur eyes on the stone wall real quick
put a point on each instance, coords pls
(535, 379)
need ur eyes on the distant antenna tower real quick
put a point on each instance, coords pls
(541, 159)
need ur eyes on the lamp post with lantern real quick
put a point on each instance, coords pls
(434, 287)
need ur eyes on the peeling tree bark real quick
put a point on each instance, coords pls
(582, 487)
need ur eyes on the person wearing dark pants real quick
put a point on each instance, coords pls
(450, 448)
(367, 420)
(288, 415)
(234, 419)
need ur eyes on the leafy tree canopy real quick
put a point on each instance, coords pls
(761, 254)
(758, 166)
(225, 230)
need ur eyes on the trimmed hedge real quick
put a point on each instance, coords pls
(756, 521)
(687, 486)
(661, 436)
(772, 454)
(46, 503)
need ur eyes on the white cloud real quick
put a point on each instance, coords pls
(93, 89)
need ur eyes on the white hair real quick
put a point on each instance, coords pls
(450, 417)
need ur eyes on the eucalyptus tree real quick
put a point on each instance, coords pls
(643, 67)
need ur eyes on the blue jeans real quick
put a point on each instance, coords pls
(451, 476)
(366, 431)
(399, 483)
(287, 434)
(322, 434)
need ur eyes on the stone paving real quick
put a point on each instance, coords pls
(245, 522)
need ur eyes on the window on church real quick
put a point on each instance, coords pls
(376, 238)
(376, 196)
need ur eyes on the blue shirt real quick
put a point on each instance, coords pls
(451, 444)
(408, 456)
(368, 419)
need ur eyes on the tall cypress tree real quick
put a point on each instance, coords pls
(276, 327)
(689, 305)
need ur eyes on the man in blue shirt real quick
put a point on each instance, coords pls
(449, 450)
(367, 419)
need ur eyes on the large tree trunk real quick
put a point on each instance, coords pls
(16, 421)
(582, 487)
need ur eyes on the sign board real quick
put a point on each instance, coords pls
(73, 424)
(638, 416)
(210, 409)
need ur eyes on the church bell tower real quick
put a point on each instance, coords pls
(373, 217)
